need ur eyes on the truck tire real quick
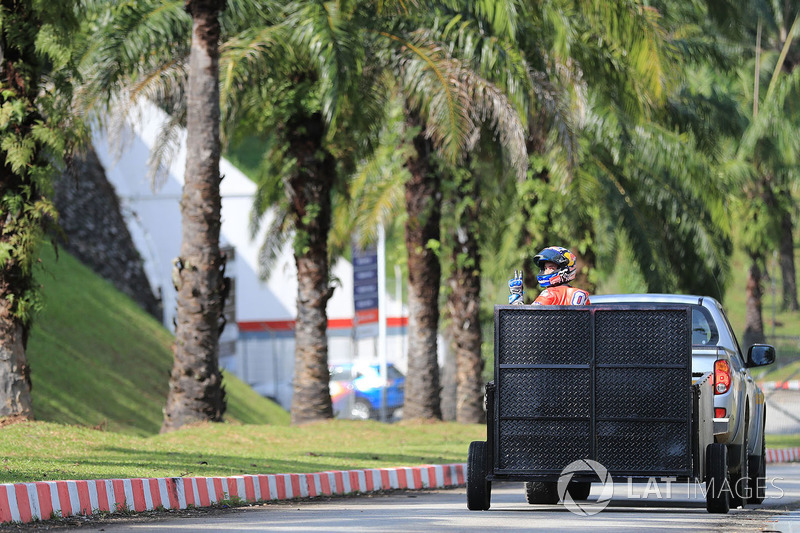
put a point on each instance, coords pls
(542, 492)
(717, 488)
(758, 472)
(479, 490)
(740, 482)
(579, 490)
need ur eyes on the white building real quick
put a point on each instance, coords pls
(258, 344)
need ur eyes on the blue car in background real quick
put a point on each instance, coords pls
(357, 391)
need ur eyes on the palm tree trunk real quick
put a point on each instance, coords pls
(423, 206)
(15, 383)
(195, 388)
(754, 323)
(464, 305)
(310, 190)
(788, 273)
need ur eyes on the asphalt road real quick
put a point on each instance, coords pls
(635, 507)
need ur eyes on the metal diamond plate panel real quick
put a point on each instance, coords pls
(552, 392)
(598, 383)
(542, 445)
(641, 337)
(647, 447)
(643, 392)
(537, 336)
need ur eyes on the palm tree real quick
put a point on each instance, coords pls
(423, 208)
(627, 182)
(153, 50)
(448, 119)
(464, 288)
(35, 136)
(305, 109)
(403, 60)
(777, 38)
(195, 387)
(770, 145)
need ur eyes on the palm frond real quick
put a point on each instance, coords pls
(277, 235)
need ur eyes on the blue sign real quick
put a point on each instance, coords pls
(365, 291)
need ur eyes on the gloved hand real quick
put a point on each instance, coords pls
(515, 287)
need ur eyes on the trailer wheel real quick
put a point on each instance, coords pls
(717, 487)
(579, 490)
(541, 492)
(479, 490)
(758, 474)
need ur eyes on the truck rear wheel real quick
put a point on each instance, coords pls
(758, 473)
(479, 489)
(740, 483)
(541, 492)
(579, 490)
(717, 486)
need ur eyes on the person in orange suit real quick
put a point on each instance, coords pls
(557, 269)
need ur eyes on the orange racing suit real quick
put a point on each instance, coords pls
(562, 295)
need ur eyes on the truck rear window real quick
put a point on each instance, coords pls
(703, 330)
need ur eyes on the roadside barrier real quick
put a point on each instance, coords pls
(44, 500)
(783, 455)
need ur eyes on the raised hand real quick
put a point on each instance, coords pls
(516, 289)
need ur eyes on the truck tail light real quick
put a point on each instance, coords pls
(720, 412)
(722, 376)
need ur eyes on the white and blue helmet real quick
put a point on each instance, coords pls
(563, 258)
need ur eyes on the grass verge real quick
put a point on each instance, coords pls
(98, 360)
(783, 441)
(36, 451)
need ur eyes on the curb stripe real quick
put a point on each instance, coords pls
(23, 503)
(5, 505)
(43, 497)
(43, 500)
(63, 498)
(33, 498)
(202, 493)
(251, 493)
(280, 482)
(91, 487)
(782, 455)
(12, 511)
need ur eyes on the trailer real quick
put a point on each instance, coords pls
(581, 392)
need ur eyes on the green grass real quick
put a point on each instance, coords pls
(36, 451)
(783, 441)
(98, 360)
(784, 373)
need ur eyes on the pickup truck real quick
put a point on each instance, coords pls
(739, 406)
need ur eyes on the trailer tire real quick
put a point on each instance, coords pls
(479, 489)
(717, 487)
(541, 492)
